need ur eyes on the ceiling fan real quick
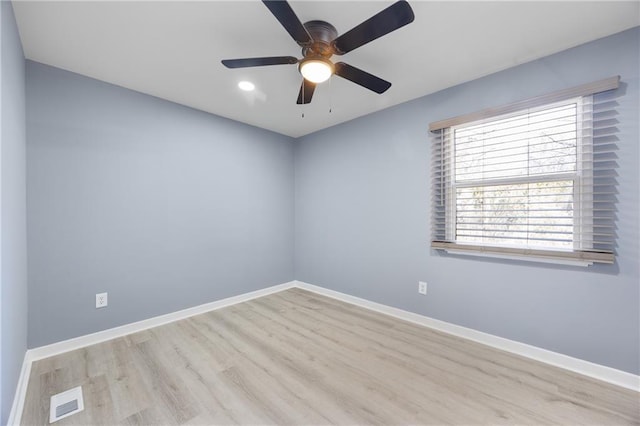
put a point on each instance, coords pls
(319, 41)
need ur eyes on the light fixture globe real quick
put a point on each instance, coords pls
(316, 70)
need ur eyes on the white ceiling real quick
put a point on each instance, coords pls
(172, 50)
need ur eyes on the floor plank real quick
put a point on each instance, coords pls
(296, 357)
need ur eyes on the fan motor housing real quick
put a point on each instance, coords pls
(322, 33)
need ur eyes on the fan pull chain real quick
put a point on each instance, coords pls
(330, 95)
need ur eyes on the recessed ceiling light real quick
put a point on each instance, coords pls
(247, 86)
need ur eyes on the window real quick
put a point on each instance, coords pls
(516, 178)
(531, 179)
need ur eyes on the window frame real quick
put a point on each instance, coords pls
(578, 178)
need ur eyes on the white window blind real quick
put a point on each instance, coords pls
(536, 178)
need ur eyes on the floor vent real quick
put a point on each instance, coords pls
(66, 404)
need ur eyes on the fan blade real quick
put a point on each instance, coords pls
(259, 62)
(288, 19)
(306, 91)
(395, 16)
(362, 78)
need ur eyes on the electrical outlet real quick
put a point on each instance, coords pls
(101, 300)
(422, 287)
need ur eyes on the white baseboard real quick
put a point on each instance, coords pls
(590, 369)
(112, 333)
(101, 336)
(21, 392)
(596, 371)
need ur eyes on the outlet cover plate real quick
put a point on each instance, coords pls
(101, 300)
(422, 287)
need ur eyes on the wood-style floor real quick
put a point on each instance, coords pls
(296, 357)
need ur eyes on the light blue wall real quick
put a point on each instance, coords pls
(162, 206)
(363, 208)
(13, 251)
